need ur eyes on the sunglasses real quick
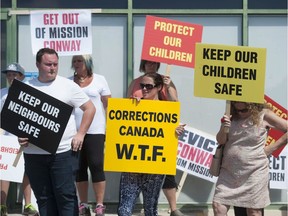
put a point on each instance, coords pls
(147, 86)
(241, 110)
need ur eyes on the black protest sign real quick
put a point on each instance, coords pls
(28, 112)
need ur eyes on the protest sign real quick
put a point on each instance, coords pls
(170, 41)
(234, 73)
(273, 134)
(278, 170)
(68, 32)
(28, 112)
(195, 152)
(140, 138)
(9, 148)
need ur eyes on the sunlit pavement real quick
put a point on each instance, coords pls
(206, 212)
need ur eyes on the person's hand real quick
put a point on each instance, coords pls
(167, 81)
(23, 141)
(226, 121)
(136, 98)
(180, 129)
(267, 151)
(77, 142)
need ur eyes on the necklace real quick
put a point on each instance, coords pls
(81, 79)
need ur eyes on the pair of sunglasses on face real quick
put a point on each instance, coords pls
(147, 86)
(241, 110)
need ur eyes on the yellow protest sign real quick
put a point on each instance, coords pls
(140, 136)
(235, 73)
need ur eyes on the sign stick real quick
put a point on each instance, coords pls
(18, 156)
(168, 69)
(181, 183)
(227, 112)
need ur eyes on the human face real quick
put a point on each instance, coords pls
(242, 110)
(79, 66)
(150, 67)
(48, 68)
(11, 75)
(150, 94)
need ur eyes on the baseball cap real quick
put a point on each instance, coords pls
(14, 67)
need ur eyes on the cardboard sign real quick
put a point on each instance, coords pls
(234, 73)
(170, 41)
(9, 148)
(140, 136)
(273, 134)
(69, 32)
(195, 152)
(28, 112)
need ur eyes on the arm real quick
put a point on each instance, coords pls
(222, 135)
(104, 100)
(171, 89)
(172, 92)
(89, 110)
(277, 123)
(130, 89)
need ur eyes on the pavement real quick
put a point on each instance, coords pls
(282, 211)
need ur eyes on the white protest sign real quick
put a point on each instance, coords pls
(278, 171)
(195, 152)
(8, 150)
(68, 32)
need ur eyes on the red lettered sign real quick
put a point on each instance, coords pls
(170, 41)
(273, 134)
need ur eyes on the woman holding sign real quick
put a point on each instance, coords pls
(149, 184)
(168, 93)
(244, 174)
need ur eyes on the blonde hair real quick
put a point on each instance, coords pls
(87, 61)
(254, 108)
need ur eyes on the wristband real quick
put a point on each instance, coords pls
(222, 120)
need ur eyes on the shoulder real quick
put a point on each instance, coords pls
(274, 120)
(134, 83)
(65, 83)
(65, 80)
(268, 113)
(98, 77)
(31, 81)
(136, 80)
(70, 77)
(3, 93)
